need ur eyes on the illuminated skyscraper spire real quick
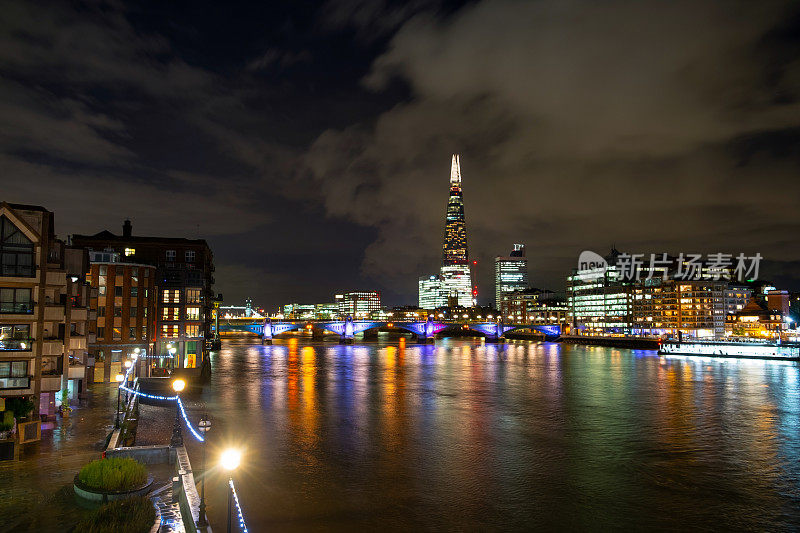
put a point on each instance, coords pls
(456, 274)
(455, 229)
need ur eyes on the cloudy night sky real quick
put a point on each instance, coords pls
(310, 143)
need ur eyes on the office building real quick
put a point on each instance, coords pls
(695, 308)
(358, 304)
(432, 292)
(184, 278)
(510, 273)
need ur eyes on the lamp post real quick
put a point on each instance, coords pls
(118, 378)
(230, 460)
(177, 439)
(128, 364)
(204, 425)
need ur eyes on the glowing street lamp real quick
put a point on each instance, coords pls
(118, 378)
(177, 438)
(204, 425)
(229, 460)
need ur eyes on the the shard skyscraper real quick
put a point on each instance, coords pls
(453, 285)
(456, 273)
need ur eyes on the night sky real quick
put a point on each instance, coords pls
(310, 143)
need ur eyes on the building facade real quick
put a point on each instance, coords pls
(510, 273)
(43, 311)
(358, 304)
(184, 278)
(432, 292)
(693, 308)
(599, 302)
(124, 303)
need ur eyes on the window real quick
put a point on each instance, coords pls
(190, 256)
(193, 296)
(101, 332)
(144, 332)
(170, 313)
(192, 330)
(169, 330)
(15, 337)
(146, 273)
(117, 311)
(116, 334)
(101, 311)
(170, 255)
(133, 312)
(130, 251)
(171, 296)
(134, 292)
(144, 312)
(133, 333)
(118, 291)
(16, 251)
(13, 369)
(103, 271)
(101, 290)
(192, 313)
(15, 301)
(134, 271)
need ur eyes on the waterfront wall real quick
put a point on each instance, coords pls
(641, 343)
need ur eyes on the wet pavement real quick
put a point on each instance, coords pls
(36, 491)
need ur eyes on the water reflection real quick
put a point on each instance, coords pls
(463, 435)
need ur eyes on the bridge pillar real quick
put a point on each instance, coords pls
(371, 334)
(317, 334)
(348, 337)
(428, 335)
(266, 335)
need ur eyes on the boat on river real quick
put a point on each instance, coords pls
(739, 349)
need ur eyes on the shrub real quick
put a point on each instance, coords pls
(113, 474)
(131, 515)
(20, 406)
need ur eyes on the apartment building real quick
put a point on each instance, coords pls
(43, 310)
(184, 280)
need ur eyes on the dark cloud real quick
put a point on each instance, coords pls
(646, 124)
(312, 147)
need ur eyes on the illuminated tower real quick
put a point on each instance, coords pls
(455, 273)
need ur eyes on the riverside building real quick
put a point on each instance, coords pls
(124, 319)
(510, 273)
(184, 278)
(43, 311)
(358, 304)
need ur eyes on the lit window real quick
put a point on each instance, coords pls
(193, 296)
(170, 255)
(192, 330)
(189, 256)
(130, 251)
(192, 313)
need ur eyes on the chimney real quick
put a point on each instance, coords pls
(126, 228)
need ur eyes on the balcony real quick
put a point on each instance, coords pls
(79, 314)
(51, 382)
(16, 345)
(76, 372)
(15, 383)
(56, 278)
(52, 347)
(54, 313)
(77, 342)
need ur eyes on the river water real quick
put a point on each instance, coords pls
(463, 435)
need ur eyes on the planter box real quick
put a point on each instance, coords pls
(93, 495)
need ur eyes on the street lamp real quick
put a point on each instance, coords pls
(230, 460)
(204, 425)
(177, 439)
(118, 378)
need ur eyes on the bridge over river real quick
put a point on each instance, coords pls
(347, 329)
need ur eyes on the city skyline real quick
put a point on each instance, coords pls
(264, 127)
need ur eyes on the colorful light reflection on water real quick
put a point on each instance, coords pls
(463, 435)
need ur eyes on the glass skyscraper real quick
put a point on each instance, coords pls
(510, 273)
(453, 285)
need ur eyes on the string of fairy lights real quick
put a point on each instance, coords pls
(195, 434)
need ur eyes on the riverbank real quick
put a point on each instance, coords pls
(640, 343)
